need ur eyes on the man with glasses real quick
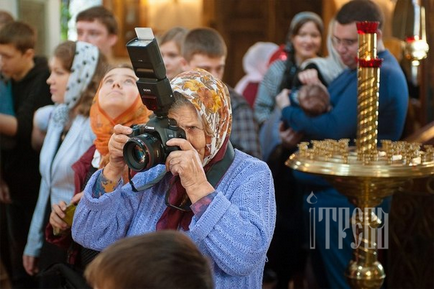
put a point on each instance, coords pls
(341, 122)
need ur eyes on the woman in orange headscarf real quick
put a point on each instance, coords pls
(117, 101)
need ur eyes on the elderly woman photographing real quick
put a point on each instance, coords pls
(231, 221)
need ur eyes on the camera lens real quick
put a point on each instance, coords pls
(139, 154)
(143, 152)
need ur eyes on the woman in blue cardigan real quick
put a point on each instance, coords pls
(231, 218)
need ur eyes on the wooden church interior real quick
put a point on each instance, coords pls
(409, 260)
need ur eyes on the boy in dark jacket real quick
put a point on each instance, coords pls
(19, 183)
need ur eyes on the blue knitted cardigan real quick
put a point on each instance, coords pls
(234, 231)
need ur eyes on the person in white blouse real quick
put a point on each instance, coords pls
(76, 70)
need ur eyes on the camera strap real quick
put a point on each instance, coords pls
(147, 185)
(218, 170)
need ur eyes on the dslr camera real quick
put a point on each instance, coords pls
(147, 144)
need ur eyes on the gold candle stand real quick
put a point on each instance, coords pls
(367, 173)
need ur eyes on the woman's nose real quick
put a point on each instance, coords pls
(311, 39)
(116, 84)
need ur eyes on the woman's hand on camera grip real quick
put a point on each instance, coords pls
(187, 164)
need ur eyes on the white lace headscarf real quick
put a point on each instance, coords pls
(82, 70)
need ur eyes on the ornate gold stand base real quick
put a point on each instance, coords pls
(365, 271)
(365, 277)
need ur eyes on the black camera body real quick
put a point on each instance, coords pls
(147, 146)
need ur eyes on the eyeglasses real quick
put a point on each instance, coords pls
(344, 42)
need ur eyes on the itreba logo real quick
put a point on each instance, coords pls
(369, 227)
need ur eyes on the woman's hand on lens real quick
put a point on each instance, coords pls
(116, 146)
(187, 164)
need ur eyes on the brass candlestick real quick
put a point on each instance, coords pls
(367, 173)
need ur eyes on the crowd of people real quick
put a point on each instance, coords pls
(220, 209)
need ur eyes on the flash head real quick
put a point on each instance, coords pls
(154, 87)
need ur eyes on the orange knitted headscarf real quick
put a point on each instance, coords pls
(102, 125)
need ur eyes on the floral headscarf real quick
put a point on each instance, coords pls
(210, 97)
